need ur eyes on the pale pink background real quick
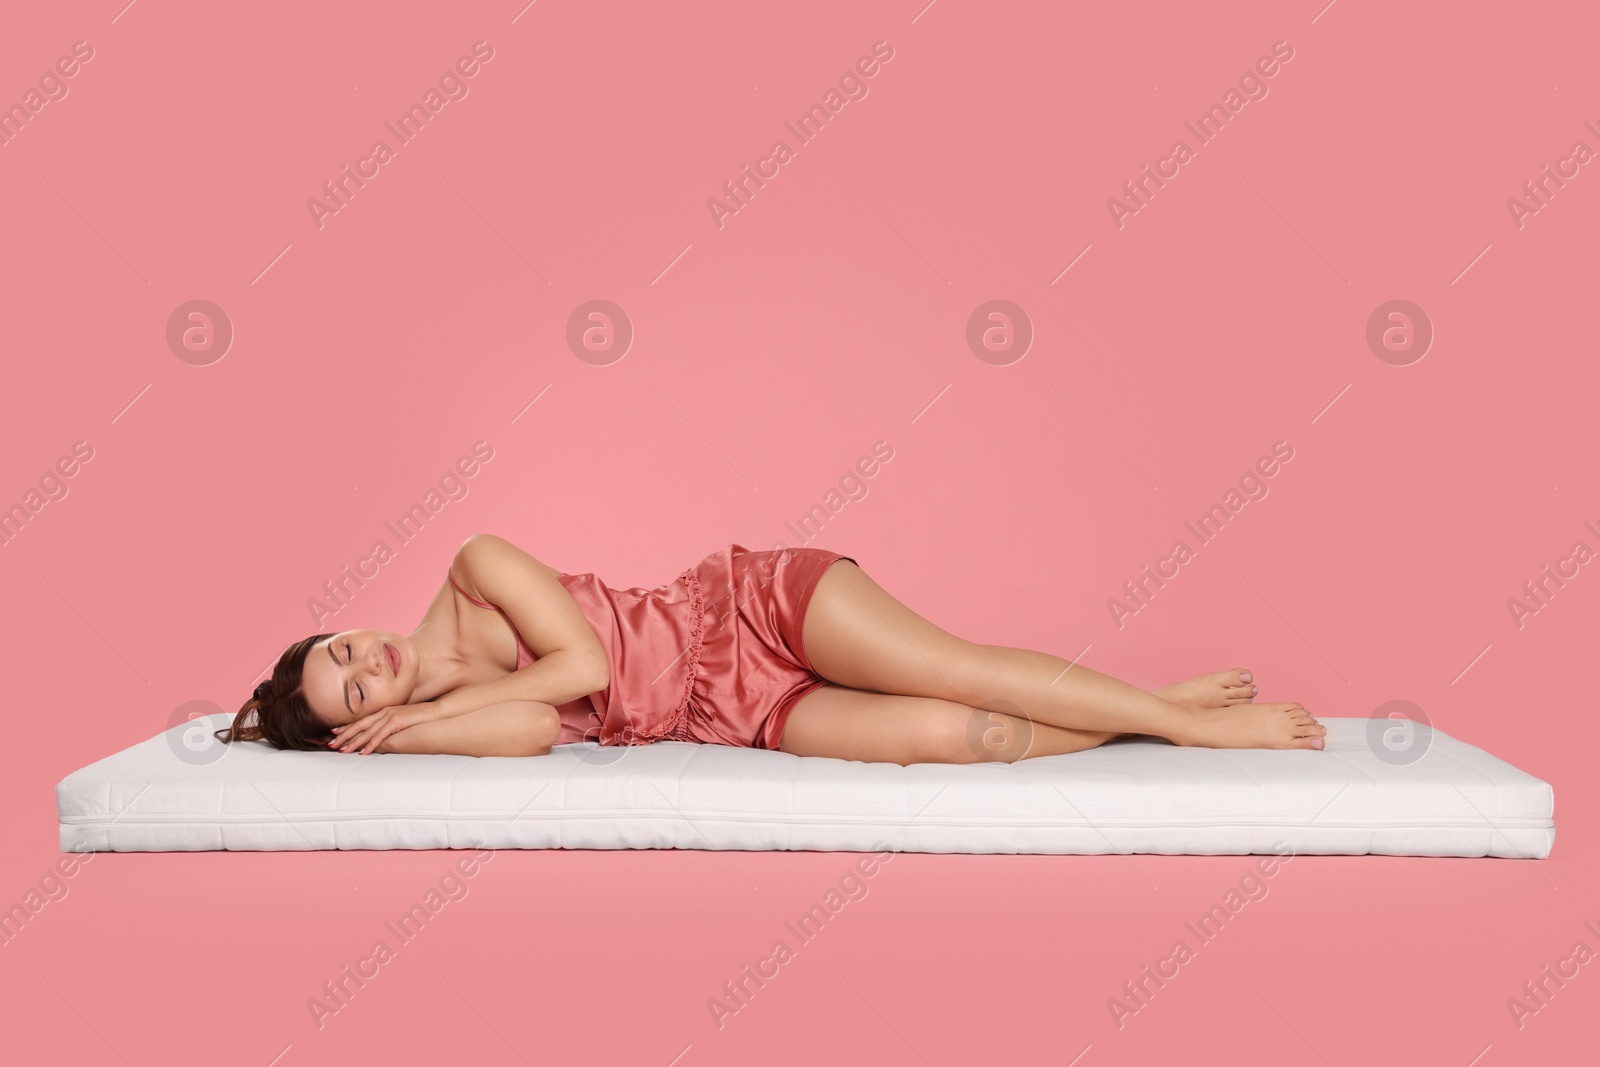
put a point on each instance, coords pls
(825, 316)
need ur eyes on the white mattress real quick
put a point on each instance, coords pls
(1131, 795)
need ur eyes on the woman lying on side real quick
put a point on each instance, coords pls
(793, 649)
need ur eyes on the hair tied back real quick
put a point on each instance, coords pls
(277, 711)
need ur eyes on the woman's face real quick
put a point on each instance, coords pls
(357, 672)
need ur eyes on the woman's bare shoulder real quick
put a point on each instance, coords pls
(482, 554)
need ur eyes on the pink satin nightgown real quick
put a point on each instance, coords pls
(713, 656)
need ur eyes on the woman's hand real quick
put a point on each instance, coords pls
(370, 731)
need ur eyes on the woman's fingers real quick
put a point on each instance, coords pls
(375, 738)
(359, 730)
(340, 733)
(367, 733)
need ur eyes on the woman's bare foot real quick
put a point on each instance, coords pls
(1253, 726)
(1220, 690)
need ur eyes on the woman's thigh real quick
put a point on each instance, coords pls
(852, 724)
(857, 635)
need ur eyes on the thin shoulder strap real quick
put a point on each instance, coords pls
(463, 592)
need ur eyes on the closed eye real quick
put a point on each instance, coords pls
(350, 658)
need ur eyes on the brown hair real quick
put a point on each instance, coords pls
(283, 717)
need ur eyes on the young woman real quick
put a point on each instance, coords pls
(793, 649)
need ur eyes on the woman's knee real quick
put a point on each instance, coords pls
(964, 734)
(978, 674)
(955, 733)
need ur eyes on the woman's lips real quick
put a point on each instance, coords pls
(393, 655)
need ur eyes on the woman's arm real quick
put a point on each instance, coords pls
(572, 663)
(514, 728)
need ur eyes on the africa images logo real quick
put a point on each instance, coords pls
(1206, 128)
(452, 86)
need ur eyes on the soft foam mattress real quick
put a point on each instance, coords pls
(175, 792)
